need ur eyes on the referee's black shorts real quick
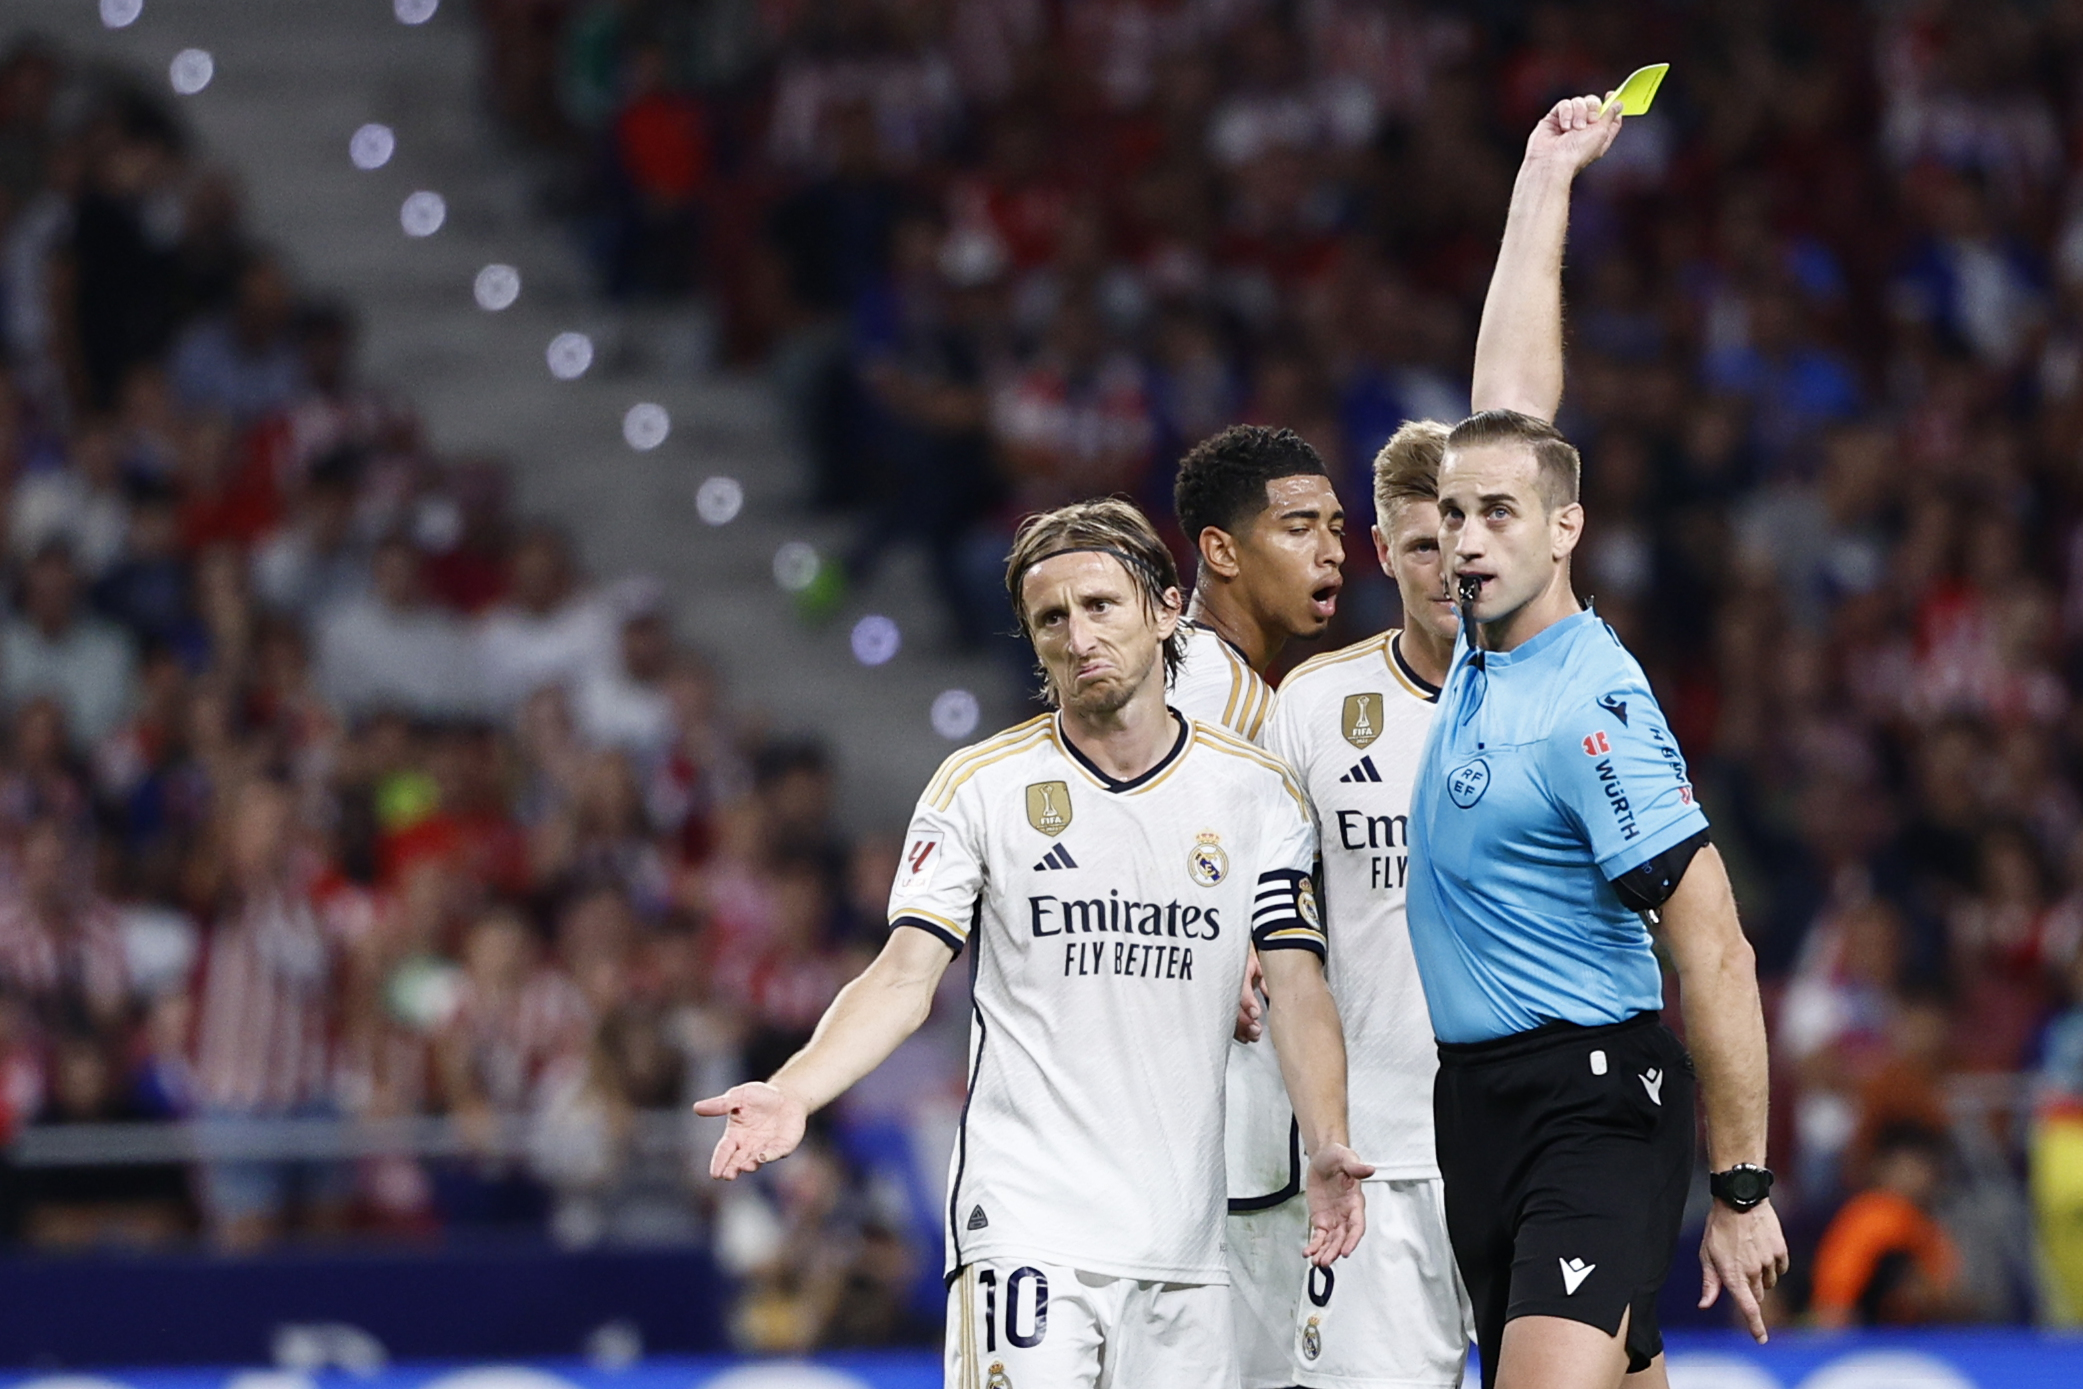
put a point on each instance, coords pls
(1567, 1154)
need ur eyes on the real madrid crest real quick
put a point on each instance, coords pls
(1362, 719)
(1312, 1338)
(1305, 903)
(999, 1379)
(1207, 863)
(1048, 807)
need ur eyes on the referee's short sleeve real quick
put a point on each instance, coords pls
(1614, 767)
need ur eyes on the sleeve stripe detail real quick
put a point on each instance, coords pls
(931, 928)
(945, 796)
(912, 916)
(958, 760)
(1371, 646)
(1296, 941)
(1265, 711)
(1297, 931)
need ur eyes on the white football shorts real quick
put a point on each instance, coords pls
(1266, 1267)
(1044, 1326)
(1392, 1315)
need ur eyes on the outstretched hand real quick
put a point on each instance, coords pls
(1575, 133)
(1745, 1252)
(1337, 1205)
(764, 1125)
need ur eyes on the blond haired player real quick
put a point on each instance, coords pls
(1108, 866)
(1353, 725)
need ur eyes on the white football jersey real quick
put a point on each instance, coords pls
(1352, 725)
(1263, 1147)
(1216, 685)
(1107, 922)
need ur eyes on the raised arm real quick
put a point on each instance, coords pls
(1744, 1252)
(1518, 349)
(865, 1023)
(1311, 1047)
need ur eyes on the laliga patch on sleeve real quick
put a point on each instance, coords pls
(922, 857)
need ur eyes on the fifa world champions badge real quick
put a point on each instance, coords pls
(1048, 807)
(1362, 722)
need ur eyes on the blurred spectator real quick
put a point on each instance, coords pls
(61, 949)
(547, 632)
(82, 506)
(622, 701)
(315, 561)
(266, 1012)
(51, 646)
(615, 1182)
(391, 649)
(1885, 1261)
(245, 363)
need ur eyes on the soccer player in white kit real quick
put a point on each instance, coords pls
(1269, 534)
(1106, 867)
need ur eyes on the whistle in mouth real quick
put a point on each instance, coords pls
(1471, 588)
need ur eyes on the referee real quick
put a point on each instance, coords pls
(1552, 828)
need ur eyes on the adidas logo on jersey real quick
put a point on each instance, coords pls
(1058, 857)
(1363, 770)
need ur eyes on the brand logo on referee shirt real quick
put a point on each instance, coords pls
(1467, 782)
(1048, 807)
(1362, 719)
(1574, 1272)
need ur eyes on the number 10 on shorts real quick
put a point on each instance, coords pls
(994, 1314)
(1026, 1317)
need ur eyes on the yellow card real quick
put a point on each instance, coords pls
(1635, 94)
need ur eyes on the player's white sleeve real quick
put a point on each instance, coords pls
(941, 876)
(1284, 915)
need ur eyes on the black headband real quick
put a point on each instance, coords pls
(1132, 563)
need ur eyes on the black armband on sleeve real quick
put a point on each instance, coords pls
(1647, 886)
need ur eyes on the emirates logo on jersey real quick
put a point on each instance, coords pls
(1208, 864)
(1048, 807)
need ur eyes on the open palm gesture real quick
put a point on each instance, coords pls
(764, 1124)
(1337, 1205)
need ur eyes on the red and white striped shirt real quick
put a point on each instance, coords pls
(515, 1038)
(265, 1020)
(45, 959)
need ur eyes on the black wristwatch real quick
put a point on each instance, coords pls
(1742, 1186)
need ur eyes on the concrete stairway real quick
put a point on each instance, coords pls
(293, 79)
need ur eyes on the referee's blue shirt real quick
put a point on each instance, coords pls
(1548, 772)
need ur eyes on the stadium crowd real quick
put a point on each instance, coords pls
(1826, 365)
(330, 790)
